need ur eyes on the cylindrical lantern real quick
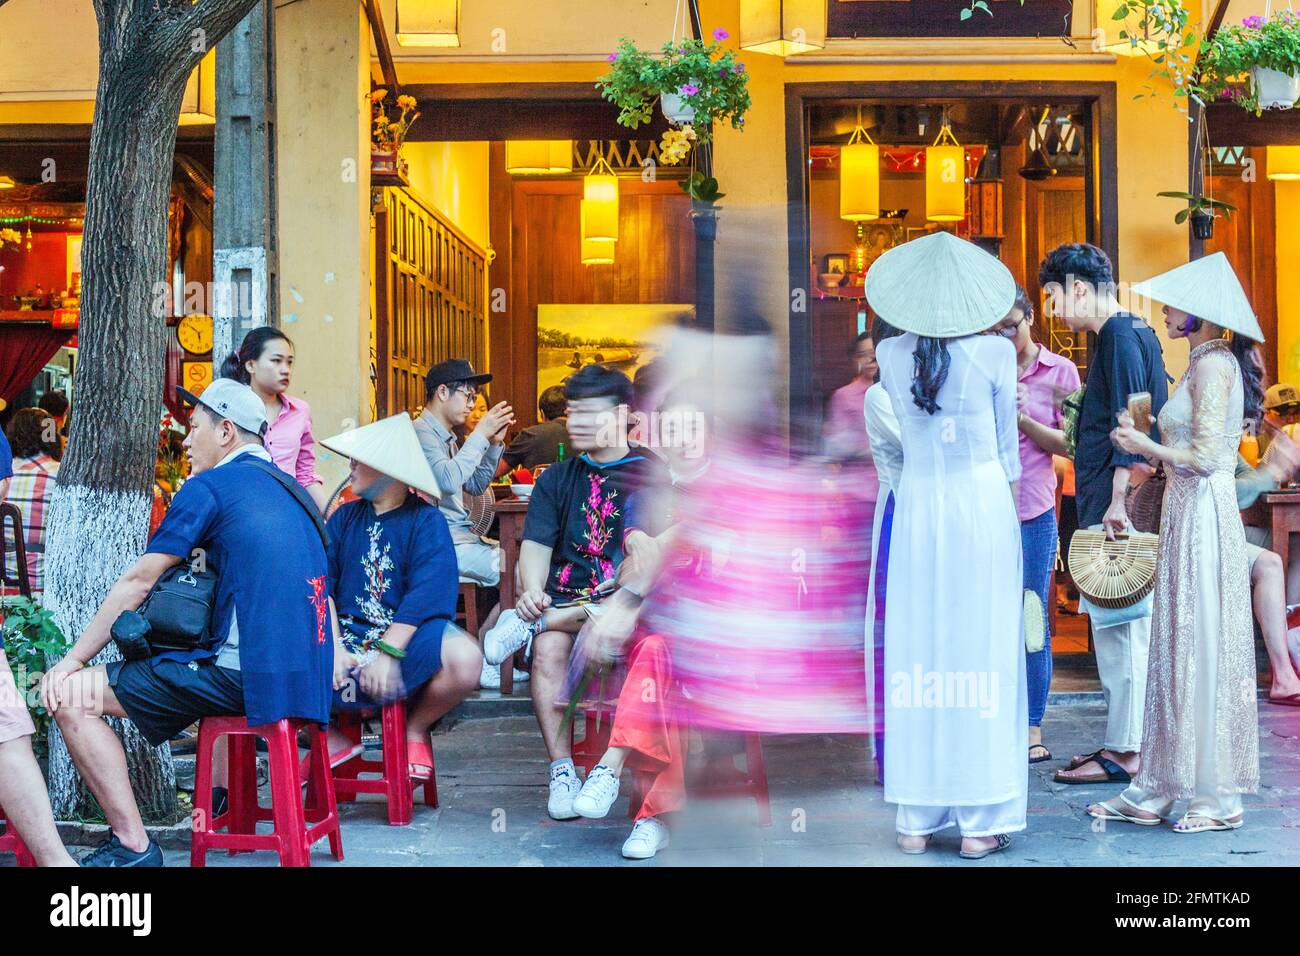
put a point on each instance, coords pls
(597, 252)
(600, 202)
(1284, 163)
(860, 178)
(537, 156)
(199, 102)
(945, 177)
(428, 23)
(782, 27)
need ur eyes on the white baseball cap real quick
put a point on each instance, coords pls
(231, 400)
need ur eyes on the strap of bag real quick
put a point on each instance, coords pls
(299, 494)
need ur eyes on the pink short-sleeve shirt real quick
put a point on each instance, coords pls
(1048, 377)
(290, 441)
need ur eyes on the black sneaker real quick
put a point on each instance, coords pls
(113, 853)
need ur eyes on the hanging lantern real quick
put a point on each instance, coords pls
(600, 202)
(28, 237)
(782, 27)
(597, 252)
(526, 157)
(428, 23)
(945, 177)
(860, 178)
(199, 103)
(1284, 163)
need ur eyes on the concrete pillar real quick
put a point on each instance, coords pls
(322, 50)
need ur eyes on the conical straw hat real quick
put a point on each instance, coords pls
(391, 446)
(1208, 289)
(940, 286)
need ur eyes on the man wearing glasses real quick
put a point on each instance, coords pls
(451, 389)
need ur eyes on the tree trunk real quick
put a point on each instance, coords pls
(100, 508)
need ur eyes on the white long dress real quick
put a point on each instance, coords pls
(956, 702)
(887, 455)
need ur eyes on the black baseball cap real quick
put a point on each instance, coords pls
(453, 370)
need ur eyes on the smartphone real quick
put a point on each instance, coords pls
(1139, 409)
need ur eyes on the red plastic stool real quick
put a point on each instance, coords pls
(11, 842)
(588, 751)
(727, 781)
(298, 823)
(394, 780)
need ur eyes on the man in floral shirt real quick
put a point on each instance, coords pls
(573, 544)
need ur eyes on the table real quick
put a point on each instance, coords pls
(1279, 511)
(510, 526)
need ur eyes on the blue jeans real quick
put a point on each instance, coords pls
(1038, 542)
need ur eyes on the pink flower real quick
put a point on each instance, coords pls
(738, 68)
(1253, 23)
(720, 34)
(688, 89)
(611, 58)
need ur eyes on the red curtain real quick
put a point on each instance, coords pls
(24, 350)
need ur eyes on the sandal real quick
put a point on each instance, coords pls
(419, 760)
(337, 759)
(1077, 762)
(1004, 841)
(1114, 773)
(1047, 754)
(913, 850)
(1111, 812)
(1214, 824)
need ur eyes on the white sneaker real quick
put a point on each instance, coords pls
(648, 837)
(565, 786)
(598, 793)
(510, 633)
(490, 677)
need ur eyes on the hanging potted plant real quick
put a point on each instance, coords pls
(9, 238)
(1202, 211)
(692, 82)
(388, 135)
(1264, 50)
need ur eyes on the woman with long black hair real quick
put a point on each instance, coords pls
(1200, 728)
(954, 675)
(264, 362)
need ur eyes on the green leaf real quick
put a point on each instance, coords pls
(1182, 215)
(980, 4)
(966, 14)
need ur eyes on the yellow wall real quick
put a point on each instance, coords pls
(453, 178)
(1288, 279)
(323, 141)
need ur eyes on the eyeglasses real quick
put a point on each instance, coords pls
(471, 394)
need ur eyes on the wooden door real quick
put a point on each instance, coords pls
(1055, 212)
(429, 299)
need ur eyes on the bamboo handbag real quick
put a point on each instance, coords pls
(1113, 574)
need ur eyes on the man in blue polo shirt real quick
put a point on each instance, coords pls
(270, 657)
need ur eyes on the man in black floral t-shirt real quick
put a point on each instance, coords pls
(573, 544)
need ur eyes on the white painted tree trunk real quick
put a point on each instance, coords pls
(94, 535)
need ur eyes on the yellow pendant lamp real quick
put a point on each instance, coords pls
(945, 177)
(433, 23)
(860, 177)
(199, 102)
(598, 252)
(600, 202)
(782, 27)
(538, 156)
(1284, 163)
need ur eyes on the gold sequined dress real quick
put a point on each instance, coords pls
(1200, 734)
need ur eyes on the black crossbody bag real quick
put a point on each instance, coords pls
(177, 614)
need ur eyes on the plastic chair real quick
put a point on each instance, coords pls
(394, 780)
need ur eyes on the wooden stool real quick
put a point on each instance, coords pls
(394, 780)
(297, 826)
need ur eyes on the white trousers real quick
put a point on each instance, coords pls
(1122, 653)
(972, 821)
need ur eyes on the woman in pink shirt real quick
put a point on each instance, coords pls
(1043, 379)
(265, 363)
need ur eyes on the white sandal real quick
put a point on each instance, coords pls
(1118, 814)
(1215, 823)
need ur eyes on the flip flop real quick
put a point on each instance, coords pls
(1047, 754)
(419, 760)
(1004, 841)
(1117, 813)
(337, 759)
(1114, 774)
(1291, 700)
(1215, 824)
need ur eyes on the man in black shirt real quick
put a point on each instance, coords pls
(1127, 358)
(540, 444)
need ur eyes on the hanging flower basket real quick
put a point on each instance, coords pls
(692, 82)
(387, 135)
(1265, 51)
(1273, 88)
